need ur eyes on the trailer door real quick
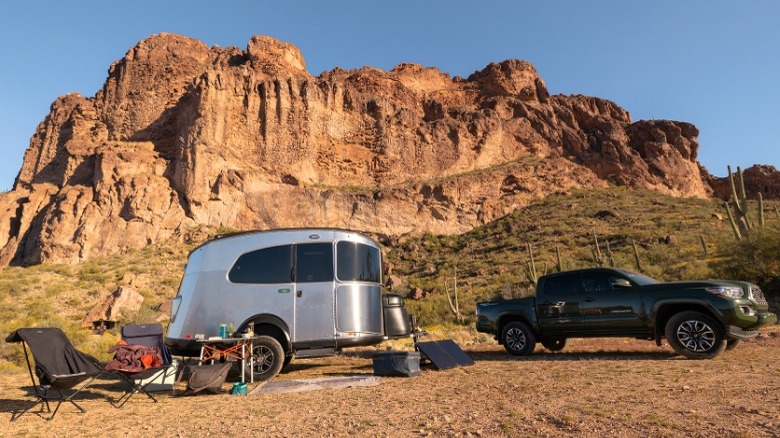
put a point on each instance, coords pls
(261, 283)
(314, 285)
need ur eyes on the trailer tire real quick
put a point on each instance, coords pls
(287, 360)
(268, 358)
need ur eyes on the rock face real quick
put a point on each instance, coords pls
(183, 135)
(762, 179)
(120, 305)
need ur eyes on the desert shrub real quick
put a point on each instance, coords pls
(755, 258)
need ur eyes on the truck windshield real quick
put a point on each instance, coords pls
(639, 279)
(358, 262)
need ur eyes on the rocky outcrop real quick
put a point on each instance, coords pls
(121, 305)
(183, 135)
(762, 179)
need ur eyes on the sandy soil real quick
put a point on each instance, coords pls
(593, 387)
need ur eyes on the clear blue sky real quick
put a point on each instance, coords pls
(712, 63)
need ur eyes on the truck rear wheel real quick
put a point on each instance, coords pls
(695, 335)
(268, 358)
(553, 344)
(733, 343)
(518, 339)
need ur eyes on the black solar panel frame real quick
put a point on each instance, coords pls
(456, 353)
(437, 355)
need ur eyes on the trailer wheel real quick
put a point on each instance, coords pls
(268, 357)
(287, 360)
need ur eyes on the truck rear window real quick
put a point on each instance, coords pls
(563, 285)
(358, 262)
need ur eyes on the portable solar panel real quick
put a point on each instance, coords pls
(456, 353)
(436, 354)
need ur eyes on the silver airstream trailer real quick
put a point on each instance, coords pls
(307, 292)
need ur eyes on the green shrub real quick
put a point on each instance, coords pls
(755, 258)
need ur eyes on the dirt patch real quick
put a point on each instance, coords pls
(595, 386)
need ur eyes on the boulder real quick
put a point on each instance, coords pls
(121, 305)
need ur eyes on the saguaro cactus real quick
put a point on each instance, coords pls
(636, 256)
(597, 257)
(739, 220)
(454, 304)
(559, 265)
(530, 267)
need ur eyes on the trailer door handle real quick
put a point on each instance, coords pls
(299, 293)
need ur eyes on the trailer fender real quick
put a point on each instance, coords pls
(271, 325)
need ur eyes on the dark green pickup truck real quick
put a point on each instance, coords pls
(699, 319)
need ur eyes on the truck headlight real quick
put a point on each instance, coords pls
(727, 291)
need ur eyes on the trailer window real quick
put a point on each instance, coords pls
(358, 262)
(314, 262)
(265, 266)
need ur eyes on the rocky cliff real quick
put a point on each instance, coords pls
(183, 135)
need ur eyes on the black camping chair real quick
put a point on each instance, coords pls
(208, 378)
(148, 335)
(59, 367)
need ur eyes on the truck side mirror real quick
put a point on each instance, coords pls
(621, 283)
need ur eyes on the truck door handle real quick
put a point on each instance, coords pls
(557, 304)
(299, 293)
(588, 299)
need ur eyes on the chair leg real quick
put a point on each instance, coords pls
(135, 388)
(40, 401)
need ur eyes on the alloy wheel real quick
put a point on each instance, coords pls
(696, 336)
(515, 339)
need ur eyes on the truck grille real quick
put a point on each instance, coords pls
(757, 295)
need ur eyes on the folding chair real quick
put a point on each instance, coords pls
(207, 378)
(59, 367)
(138, 378)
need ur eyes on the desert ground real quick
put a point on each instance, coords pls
(612, 387)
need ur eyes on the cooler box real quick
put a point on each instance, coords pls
(397, 363)
(162, 381)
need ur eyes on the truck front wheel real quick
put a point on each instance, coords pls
(695, 335)
(518, 339)
(268, 358)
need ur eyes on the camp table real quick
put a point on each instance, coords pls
(228, 348)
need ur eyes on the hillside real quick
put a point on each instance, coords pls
(492, 261)
(488, 261)
(182, 136)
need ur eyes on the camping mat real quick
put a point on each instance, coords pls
(282, 386)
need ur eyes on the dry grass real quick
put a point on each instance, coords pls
(594, 387)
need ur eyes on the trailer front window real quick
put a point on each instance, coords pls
(265, 266)
(358, 262)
